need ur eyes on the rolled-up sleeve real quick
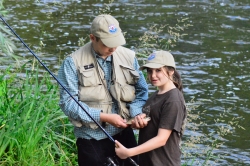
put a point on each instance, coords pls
(67, 75)
(141, 92)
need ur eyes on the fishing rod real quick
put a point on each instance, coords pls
(109, 136)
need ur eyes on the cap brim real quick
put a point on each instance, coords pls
(151, 65)
(114, 41)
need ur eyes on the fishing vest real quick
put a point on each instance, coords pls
(93, 88)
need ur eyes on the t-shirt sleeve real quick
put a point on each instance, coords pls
(172, 115)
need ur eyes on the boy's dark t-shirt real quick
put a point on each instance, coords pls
(167, 111)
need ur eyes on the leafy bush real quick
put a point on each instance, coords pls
(7, 46)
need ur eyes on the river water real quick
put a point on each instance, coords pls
(212, 58)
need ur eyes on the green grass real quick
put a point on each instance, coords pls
(33, 129)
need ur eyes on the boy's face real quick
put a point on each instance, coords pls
(101, 49)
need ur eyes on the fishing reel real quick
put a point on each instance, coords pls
(111, 161)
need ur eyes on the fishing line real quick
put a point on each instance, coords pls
(109, 136)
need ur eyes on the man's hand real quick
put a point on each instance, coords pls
(113, 119)
(139, 121)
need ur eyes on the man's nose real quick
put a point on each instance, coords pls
(112, 49)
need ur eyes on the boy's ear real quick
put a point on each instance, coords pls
(92, 37)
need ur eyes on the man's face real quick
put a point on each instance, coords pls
(100, 48)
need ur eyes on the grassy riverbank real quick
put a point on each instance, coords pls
(33, 129)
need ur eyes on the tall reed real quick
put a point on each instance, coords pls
(33, 129)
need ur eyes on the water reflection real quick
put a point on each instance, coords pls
(212, 58)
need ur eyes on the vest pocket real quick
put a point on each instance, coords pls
(91, 94)
(127, 93)
(124, 93)
(130, 74)
(87, 77)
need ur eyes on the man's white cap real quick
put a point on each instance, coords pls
(106, 27)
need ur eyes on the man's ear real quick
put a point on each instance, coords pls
(92, 37)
